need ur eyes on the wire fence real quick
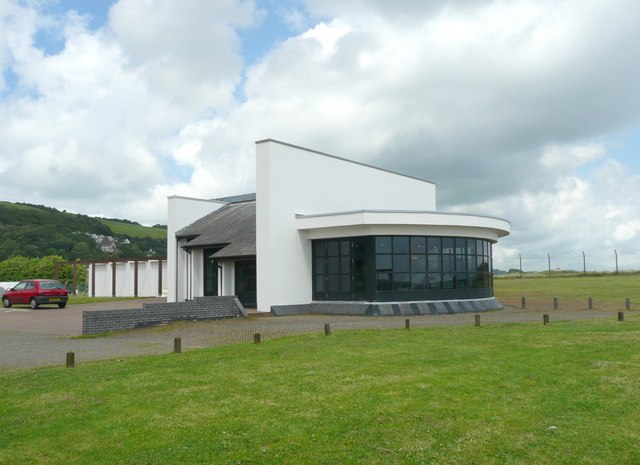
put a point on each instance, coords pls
(585, 262)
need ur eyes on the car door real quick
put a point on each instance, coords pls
(29, 291)
(18, 293)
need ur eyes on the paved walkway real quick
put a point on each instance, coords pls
(31, 338)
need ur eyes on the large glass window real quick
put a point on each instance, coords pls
(390, 267)
(332, 267)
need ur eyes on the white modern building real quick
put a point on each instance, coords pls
(325, 229)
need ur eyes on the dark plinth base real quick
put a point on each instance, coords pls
(390, 308)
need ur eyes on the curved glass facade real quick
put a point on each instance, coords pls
(402, 268)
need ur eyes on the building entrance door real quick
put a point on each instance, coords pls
(210, 273)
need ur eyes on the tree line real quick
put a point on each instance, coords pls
(18, 268)
(34, 231)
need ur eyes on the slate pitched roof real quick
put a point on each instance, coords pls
(232, 227)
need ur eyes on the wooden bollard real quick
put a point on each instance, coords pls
(590, 303)
(407, 324)
(524, 302)
(627, 304)
(555, 303)
(545, 319)
(477, 320)
(177, 345)
(620, 316)
(71, 359)
(257, 338)
(327, 329)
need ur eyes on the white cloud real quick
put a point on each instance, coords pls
(627, 231)
(505, 105)
(568, 158)
(187, 49)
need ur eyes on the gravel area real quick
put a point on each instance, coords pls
(24, 347)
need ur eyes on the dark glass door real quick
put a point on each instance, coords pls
(210, 273)
(246, 282)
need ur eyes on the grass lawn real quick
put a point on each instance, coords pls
(134, 230)
(500, 394)
(85, 299)
(606, 290)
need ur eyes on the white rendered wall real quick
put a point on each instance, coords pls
(182, 211)
(125, 279)
(291, 180)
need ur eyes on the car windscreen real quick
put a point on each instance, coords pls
(51, 285)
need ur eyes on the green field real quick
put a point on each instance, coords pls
(134, 230)
(500, 394)
(606, 289)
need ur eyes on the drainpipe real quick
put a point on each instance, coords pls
(220, 274)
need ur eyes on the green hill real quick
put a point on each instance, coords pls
(36, 231)
(130, 229)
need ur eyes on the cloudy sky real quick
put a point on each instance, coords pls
(525, 110)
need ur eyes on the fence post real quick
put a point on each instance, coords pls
(71, 359)
(407, 324)
(555, 303)
(327, 329)
(177, 345)
(590, 303)
(545, 319)
(524, 302)
(477, 320)
(627, 304)
(620, 316)
(257, 338)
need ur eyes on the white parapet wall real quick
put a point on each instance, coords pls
(149, 283)
(182, 211)
(294, 181)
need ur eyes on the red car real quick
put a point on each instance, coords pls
(36, 292)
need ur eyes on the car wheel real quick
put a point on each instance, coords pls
(62, 305)
(34, 304)
(6, 303)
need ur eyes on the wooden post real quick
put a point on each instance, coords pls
(524, 302)
(407, 324)
(327, 329)
(93, 279)
(113, 278)
(620, 316)
(177, 345)
(75, 279)
(257, 338)
(159, 276)
(477, 320)
(71, 359)
(545, 319)
(555, 303)
(590, 303)
(627, 304)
